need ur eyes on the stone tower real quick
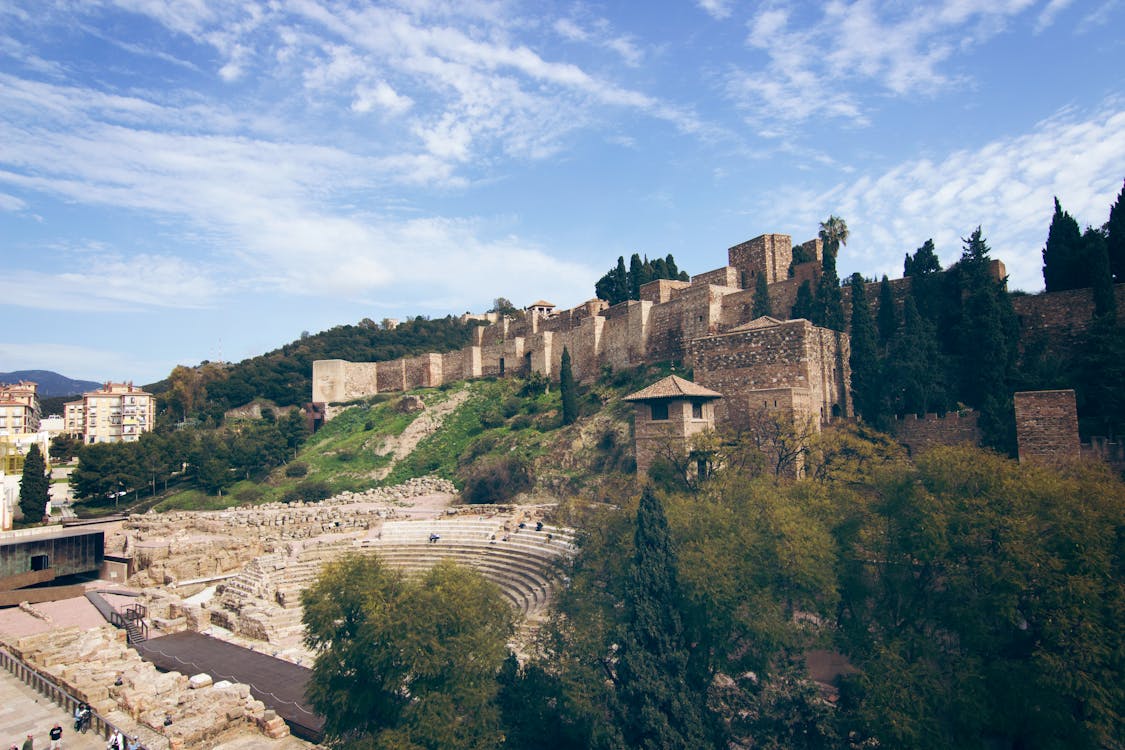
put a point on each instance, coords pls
(668, 413)
(770, 254)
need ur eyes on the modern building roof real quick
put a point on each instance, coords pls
(672, 387)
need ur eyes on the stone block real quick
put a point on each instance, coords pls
(201, 680)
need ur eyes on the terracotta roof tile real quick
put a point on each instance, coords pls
(672, 386)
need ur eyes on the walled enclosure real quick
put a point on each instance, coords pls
(674, 320)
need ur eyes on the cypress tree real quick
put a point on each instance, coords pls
(1097, 259)
(803, 307)
(566, 390)
(659, 704)
(864, 359)
(828, 304)
(988, 332)
(1063, 266)
(34, 486)
(620, 282)
(887, 319)
(761, 297)
(1115, 238)
(636, 276)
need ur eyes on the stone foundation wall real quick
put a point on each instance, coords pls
(1047, 425)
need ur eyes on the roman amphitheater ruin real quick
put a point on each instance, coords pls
(235, 577)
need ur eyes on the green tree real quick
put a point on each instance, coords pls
(982, 604)
(828, 303)
(761, 297)
(636, 276)
(804, 306)
(1115, 237)
(567, 390)
(988, 335)
(924, 261)
(1097, 260)
(914, 371)
(34, 486)
(1063, 256)
(659, 701)
(406, 663)
(887, 319)
(864, 358)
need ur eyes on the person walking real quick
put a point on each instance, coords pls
(29, 743)
(56, 737)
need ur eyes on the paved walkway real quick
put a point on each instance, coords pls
(23, 711)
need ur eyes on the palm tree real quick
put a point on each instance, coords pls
(833, 233)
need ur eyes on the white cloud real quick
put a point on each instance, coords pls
(1048, 14)
(817, 68)
(380, 95)
(1007, 186)
(718, 9)
(115, 283)
(11, 203)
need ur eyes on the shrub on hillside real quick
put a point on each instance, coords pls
(495, 479)
(296, 469)
(308, 491)
(249, 495)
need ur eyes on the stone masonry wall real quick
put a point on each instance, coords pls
(1047, 425)
(955, 428)
(793, 354)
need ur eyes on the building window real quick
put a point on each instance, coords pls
(696, 410)
(659, 411)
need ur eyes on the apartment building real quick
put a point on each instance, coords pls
(115, 413)
(19, 409)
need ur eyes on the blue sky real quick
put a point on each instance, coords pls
(183, 180)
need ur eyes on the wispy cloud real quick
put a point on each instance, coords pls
(1007, 186)
(718, 9)
(819, 66)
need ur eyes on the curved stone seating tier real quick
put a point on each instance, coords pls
(263, 601)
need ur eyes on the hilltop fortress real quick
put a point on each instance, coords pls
(789, 366)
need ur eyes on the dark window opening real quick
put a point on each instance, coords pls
(659, 411)
(697, 410)
(501, 367)
(39, 562)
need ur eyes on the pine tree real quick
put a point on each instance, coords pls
(566, 389)
(887, 319)
(1115, 238)
(1063, 266)
(761, 297)
(659, 704)
(34, 486)
(924, 261)
(864, 359)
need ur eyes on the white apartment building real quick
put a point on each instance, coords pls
(19, 409)
(115, 413)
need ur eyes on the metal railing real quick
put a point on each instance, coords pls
(47, 687)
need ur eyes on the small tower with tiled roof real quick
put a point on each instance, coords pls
(668, 413)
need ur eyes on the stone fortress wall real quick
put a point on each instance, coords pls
(705, 323)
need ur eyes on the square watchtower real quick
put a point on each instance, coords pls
(769, 254)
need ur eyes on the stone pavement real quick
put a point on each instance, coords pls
(22, 710)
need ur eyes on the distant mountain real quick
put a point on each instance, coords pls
(51, 384)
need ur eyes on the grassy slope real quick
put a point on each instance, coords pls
(499, 418)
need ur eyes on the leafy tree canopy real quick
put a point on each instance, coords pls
(620, 284)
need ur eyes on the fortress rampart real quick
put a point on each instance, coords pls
(702, 323)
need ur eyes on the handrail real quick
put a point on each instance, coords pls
(38, 681)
